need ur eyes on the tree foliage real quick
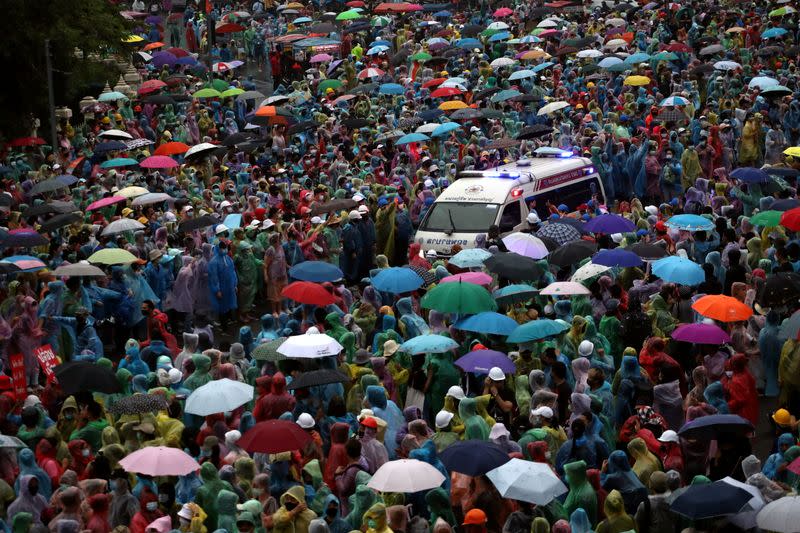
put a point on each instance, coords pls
(93, 26)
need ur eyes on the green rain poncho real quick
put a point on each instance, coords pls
(581, 493)
(663, 321)
(574, 336)
(475, 427)
(21, 523)
(599, 340)
(609, 327)
(247, 270)
(206, 496)
(226, 509)
(445, 375)
(334, 246)
(336, 330)
(200, 376)
(439, 505)
(362, 500)
(384, 230)
(321, 490)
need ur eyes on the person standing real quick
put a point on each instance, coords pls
(222, 281)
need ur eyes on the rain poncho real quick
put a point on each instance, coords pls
(475, 427)
(621, 477)
(617, 520)
(581, 494)
(27, 502)
(206, 496)
(646, 463)
(222, 281)
(28, 467)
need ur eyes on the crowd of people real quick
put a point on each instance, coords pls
(187, 234)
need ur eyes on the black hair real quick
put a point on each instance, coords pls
(353, 448)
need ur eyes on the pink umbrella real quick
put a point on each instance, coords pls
(105, 202)
(503, 12)
(321, 58)
(160, 461)
(158, 161)
(549, 33)
(476, 278)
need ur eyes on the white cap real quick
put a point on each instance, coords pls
(668, 436)
(175, 375)
(169, 216)
(543, 411)
(221, 228)
(456, 392)
(364, 210)
(31, 401)
(443, 418)
(187, 208)
(499, 430)
(651, 210)
(429, 183)
(431, 253)
(354, 215)
(616, 237)
(433, 167)
(358, 197)
(224, 204)
(474, 129)
(233, 436)
(254, 223)
(533, 218)
(268, 223)
(186, 512)
(496, 374)
(585, 348)
(316, 220)
(305, 421)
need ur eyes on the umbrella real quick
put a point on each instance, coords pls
(773, 32)
(781, 515)
(785, 205)
(115, 134)
(722, 308)
(7, 441)
(477, 278)
(158, 161)
(444, 129)
(552, 107)
(316, 271)
(310, 345)
(159, 461)
(132, 191)
(481, 361)
(55, 206)
(274, 436)
(151, 198)
(473, 457)
(317, 378)
(708, 427)
(609, 223)
(109, 146)
(588, 271)
(747, 516)
(268, 351)
(122, 225)
(470, 258)
(428, 344)
(526, 244)
(516, 293)
(791, 219)
(218, 396)
(750, 175)
(197, 223)
(537, 330)
(701, 333)
(119, 162)
(48, 185)
(676, 269)
(711, 50)
(537, 130)
(412, 138)
(79, 269)
(710, 500)
(781, 288)
(105, 202)
(618, 257)
(513, 266)
(406, 475)
(397, 280)
(488, 322)
(112, 256)
(461, 298)
(648, 251)
(25, 262)
(559, 232)
(564, 288)
(391, 88)
(138, 404)
(690, 223)
(572, 252)
(343, 204)
(305, 292)
(527, 481)
(76, 376)
(23, 238)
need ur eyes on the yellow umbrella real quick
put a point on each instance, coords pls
(793, 151)
(132, 191)
(735, 29)
(536, 54)
(133, 39)
(637, 80)
(452, 105)
(294, 5)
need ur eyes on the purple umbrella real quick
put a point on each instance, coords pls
(334, 65)
(153, 19)
(164, 58)
(481, 361)
(609, 223)
(186, 60)
(617, 257)
(701, 334)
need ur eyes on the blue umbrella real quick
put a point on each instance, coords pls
(500, 36)
(428, 344)
(488, 322)
(109, 146)
(119, 162)
(709, 500)
(783, 205)
(530, 39)
(609, 223)
(520, 292)
(316, 271)
(774, 32)
(505, 94)
(443, 14)
(542, 66)
(301, 20)
(537, 330)
(750, 175)
(397, 280)
(690, 223)
(522, 74)
(430, 114)
(391, 88)
(481, 361)
(186, 60)
(412, 138)
(380, 42)
(473, 457)
(674, 269)
(444, 129)
(469, 43)
(67, 179)
(470, 258)
(638, 57)
(610, 61)
(618, 257)
(707, 427)
(377, 50)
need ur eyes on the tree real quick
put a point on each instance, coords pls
(92, 26)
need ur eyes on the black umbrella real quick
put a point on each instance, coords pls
(76, 376)
(300, 127)
(197, 223)
(782, 288)
(59, 221)
(8, 268)
(470, 30)
(363, 89)
(785, 204)
(648, 252)
(355, 122)
(315, 378)
(486, 93)
(430, 114)
(110, 146)
(356, 27)
(410, 122)
(473, 457)
(710, 426)
(539, 12)
(236, 138)
(46, 208)
(526, 98)
(710, 500)
(138, 404)
(339, 204)
(551, 244)
(427, 276)
(705, 69)
(24, 239)
(323, 27)
(48, 185)
(782, 171)
(537, 130)
(502, 143)
(468, 113)
(159, 99)
(572, 253)
(512, 266)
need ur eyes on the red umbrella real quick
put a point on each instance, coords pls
(791, 219)
(433, 83)
(306, 292)
(27, 141)
(678, 47)
(446, 91)
(355, 3)
(172, 148)
(229, 27)
(177, 52)
(151, 86)
(274, 436)
(152, 46)
(503, 12)
(105, 202)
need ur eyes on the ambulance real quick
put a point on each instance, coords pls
(505, 195)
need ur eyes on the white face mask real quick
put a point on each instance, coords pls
(152, 506)
(86, 452)
(547, 454)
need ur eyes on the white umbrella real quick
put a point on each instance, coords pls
(115, 134)
(615, 22)
(311, 345)
(132, 191)
(782, 515)
(502, 62)
(526, 244)
(746, 519)
(199, 148)
(427, 129)
(527, 481)
(588, 271)
(218, 396)
(552, 107)
(591, 53)
(277, 99)
(81, 268)
(406, 475)
(151, 198)
(616, 43)
(564, 288)
(500, 25)
(547, 23)
(122, 225)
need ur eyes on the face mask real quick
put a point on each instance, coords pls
(547, 454)
(152, 506)
(163, 498)
(290, 505)
(256, 492)
(372, 524)
(85, 453)
(69, 416)
(669, 157)
(332, 512)
(33, 490)
(729, 373)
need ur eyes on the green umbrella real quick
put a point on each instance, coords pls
(380, 21)
(459, 297)
(268, 351)
(207, 93)
(324, 85)
(348, 15)
(112, 256)
(232, 92)
(119, 162)
(665, 56)
(766, 218)
(220, 85)
(421, 56)
(781, 11)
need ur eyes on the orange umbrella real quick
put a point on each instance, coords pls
(153, 46)
(172, 148)
(722, 308)
(267, 111)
